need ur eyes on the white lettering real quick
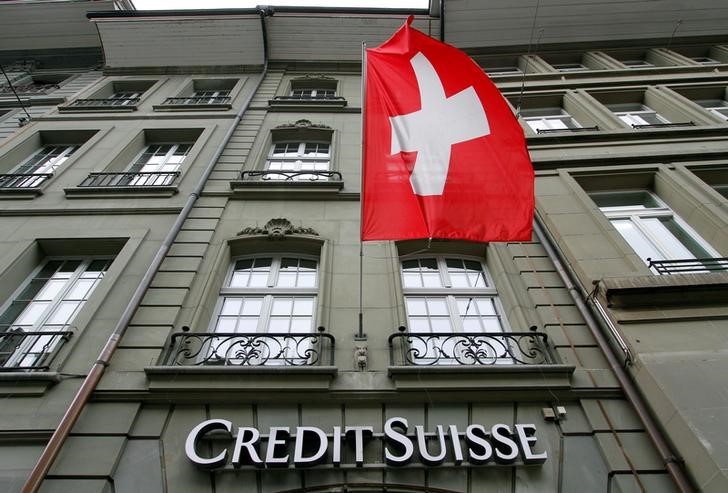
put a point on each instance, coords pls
(401, 443)
(200, 431)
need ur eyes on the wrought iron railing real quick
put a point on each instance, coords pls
(280, 175)
(23, 180)
(104, 103)
(197, 101)
(132, 179)
(574, 129)
(28, 89)
(25, 351)
(302, 98)
(688, 266)
(251, 349)
(664, 125)
(469, 348)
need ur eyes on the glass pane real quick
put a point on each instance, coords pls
(282, 306)
(64, 313)
(278, 325)
(303, 306)
(637, 240)
(231, 306)
(81, 289)
(416, 306)
(437, 306)
(639, 199)
(32, 313)
(301, 325)
(252, 306)
(411, 280)
(258, 279)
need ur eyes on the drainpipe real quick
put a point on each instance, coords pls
(571, 282)
(46, 459)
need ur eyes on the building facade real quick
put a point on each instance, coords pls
(179, 202)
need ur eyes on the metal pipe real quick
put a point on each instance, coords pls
(625, 379)
(50, 452)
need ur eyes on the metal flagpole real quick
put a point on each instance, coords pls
(360, 334)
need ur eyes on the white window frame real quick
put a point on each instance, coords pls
(124, 98)
(312, 93)
(451, 295)
(298, 162)
(570, 67)
(549, 119)
(212, 96)
(48, 343)
(167, 176)
(637, 214)
(637, 116)
(720, 109)
(637, 63)
(268, 294)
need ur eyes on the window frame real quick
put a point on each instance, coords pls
(267, 293)
(44, 317)
(630, 117)
(636, 215)
(551, 114)
(298, 160)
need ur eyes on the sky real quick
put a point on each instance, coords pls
(240, 4)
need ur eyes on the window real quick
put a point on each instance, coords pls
(313, 93)
(313, 88)
(37, 168)
(118, 95)
(636, 63)
(718, 107)
(637, 114)
(209, 97)
(704, 60)
(299, 160)
(157, 165)
(651, 228)
(546, 119)
(569, 67)
(501, 71)
(451, 295)
(36, 320)
(274, 296)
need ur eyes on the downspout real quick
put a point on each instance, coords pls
(625, 379)
(49, 454)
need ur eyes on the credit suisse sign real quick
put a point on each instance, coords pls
(307, 446)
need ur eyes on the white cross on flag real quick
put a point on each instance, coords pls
(444, 156)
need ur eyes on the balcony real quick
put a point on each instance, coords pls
(280, 175)
(469, 349)
(250, 349)
(297, 101)
(662, 125)
(137, 180)
(27, 90)
(23, 181)
(546, 131)
(29, 351)
(106, 104)
(688, 266)
(194, 103)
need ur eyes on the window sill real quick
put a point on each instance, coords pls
(20, 193)
(27, 383)
(482, 377)
(192, 107)
(654, 290)
(97, 109)
(223, 378)
(115, 192)
(286, 189)
(308, 104)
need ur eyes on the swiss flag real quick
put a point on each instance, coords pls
(444, 156)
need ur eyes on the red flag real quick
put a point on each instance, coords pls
(444, 156)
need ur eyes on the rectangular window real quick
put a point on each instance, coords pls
(266, 312)
(636, 63)
(37, 168)
(549, 119)
(40, 316)
(451, 305)
(718, 107)
(569, 67)
(637, 114)
(652, 229)
(298, 161)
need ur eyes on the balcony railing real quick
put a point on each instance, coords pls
(688, 266)
(574, 129)
(663, 125)
(106, 103)
(28, 89)
(138, 179)
(250, 349)
(280, 175)
(469, 348)
(198, 101)
(309, 98)
(25, 351)
(23, 180)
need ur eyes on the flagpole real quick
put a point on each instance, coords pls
(360, 336)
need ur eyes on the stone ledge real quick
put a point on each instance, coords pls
(654, 290)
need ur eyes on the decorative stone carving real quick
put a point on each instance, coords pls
(315, 77)
(303, 124)
(277, 229)
(361, 357)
